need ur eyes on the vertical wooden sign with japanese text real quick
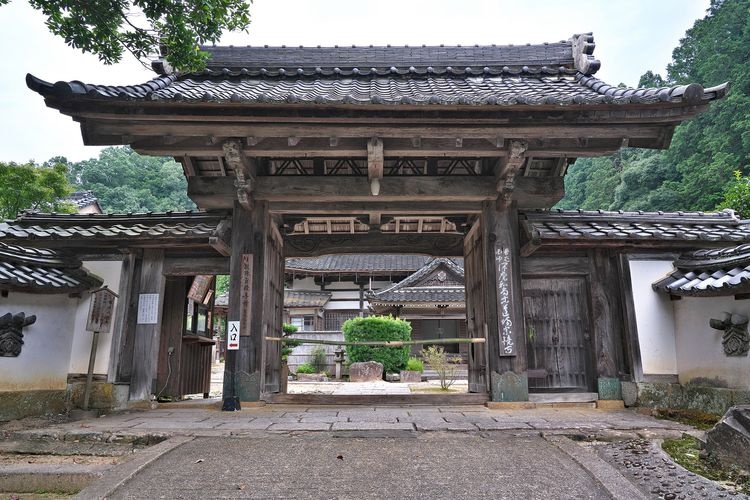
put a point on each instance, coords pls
(246, 294)
(505, 322)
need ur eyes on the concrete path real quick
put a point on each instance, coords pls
(283, 451)
(431, 466)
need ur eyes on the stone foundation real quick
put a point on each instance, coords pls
(20, 404)
(690, 397)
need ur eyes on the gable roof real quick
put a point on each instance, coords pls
(414, 288)
(40, 270)
(708, 273)
(557, 74)
(305, 298)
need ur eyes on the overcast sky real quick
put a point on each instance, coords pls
(631, 37)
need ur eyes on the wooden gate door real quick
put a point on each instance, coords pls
(558, 334)
(475, 309)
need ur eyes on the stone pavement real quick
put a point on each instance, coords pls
(296, 418)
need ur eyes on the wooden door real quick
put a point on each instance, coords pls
(558, 339)
(476, 322)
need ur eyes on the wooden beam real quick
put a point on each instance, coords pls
(439, 245)
(285, 191)
(339, 208)
(191, 266)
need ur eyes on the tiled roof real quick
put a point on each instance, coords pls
(364, 264)
(419, 288)
(714, 272)
(558, 226)
(83, 199)
(479, 75)
(305, 298)
(40, 270)
(91, 227)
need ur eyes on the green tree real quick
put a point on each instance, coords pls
(125, 181)
(33, 187)
(705, 151)
(737, 196)
(109, 28)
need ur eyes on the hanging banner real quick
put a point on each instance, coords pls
(233, 336)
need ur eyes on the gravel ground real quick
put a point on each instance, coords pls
(656, 475)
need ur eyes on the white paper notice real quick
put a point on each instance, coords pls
(233, 336)
(148, 308)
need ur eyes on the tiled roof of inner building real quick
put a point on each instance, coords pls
(544, 74)
(714, 272)
(39, 270)
(363, 263)
(567, 225)
(83, 199)
(36, 226)
(409, 290)
(305, 298)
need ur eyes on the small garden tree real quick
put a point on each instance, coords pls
(378, 328)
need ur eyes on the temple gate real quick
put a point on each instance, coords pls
(430, 150)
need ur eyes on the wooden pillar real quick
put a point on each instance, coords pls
(149, 303)
(506, 340)
(242, 369)
(607, 323)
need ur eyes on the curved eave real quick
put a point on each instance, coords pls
(710, 291)
(606, 95)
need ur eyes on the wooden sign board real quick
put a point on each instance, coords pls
(101, 310)
(200, 286)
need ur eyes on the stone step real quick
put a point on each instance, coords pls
(65, 448)
(68, 478)
(564, 397)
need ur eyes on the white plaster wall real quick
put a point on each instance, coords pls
(654, 317)
(700, 353)
(304, 284)
(109, 271)
(344, 304)
(45, 355)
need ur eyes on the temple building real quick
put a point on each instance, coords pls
(448, 152)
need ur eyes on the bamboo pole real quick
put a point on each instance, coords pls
(382, 343)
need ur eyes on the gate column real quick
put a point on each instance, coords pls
(506, 340)
(243, 367)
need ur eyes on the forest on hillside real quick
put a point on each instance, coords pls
(698, 169)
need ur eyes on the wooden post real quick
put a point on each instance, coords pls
(506, 342)
(242, 370)
(148, 324)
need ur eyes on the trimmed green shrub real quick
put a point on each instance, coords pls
(378, 328)
(288, 344)
(415, 365)
(306, 368)
(319, 360)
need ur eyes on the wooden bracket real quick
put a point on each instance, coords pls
(244, 168)
(375, 164)
(221, 238)
(507, 169)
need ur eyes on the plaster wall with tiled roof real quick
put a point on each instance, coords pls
(40, 270)
(37, 228)
(709, 272)
(596, 227)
